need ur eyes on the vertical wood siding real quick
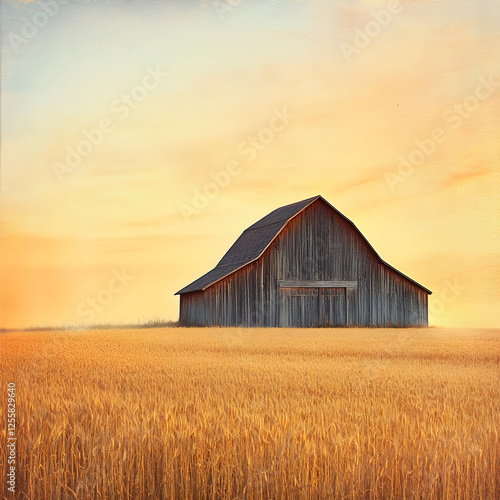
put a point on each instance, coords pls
(317, 244)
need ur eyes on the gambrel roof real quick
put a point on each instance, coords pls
(254, 241)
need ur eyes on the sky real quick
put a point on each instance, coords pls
(140, 138)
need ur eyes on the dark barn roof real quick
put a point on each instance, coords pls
(253, 242)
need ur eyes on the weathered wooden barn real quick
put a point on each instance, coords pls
(303, 265)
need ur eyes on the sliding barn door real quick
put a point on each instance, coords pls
(332, 306)
(300, 307)
(309, 306)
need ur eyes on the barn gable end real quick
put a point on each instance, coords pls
(303, 265)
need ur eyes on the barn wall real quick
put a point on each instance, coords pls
(318, 244)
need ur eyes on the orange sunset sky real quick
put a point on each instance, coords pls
(118, 116)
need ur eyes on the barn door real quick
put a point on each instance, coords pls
(312, 305)
(304, 307)
(332, 306)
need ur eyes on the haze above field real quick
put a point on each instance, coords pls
(177, 91)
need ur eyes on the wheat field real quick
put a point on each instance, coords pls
(254, 413)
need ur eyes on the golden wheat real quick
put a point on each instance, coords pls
(264, 413)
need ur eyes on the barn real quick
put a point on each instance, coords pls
(303, 265)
